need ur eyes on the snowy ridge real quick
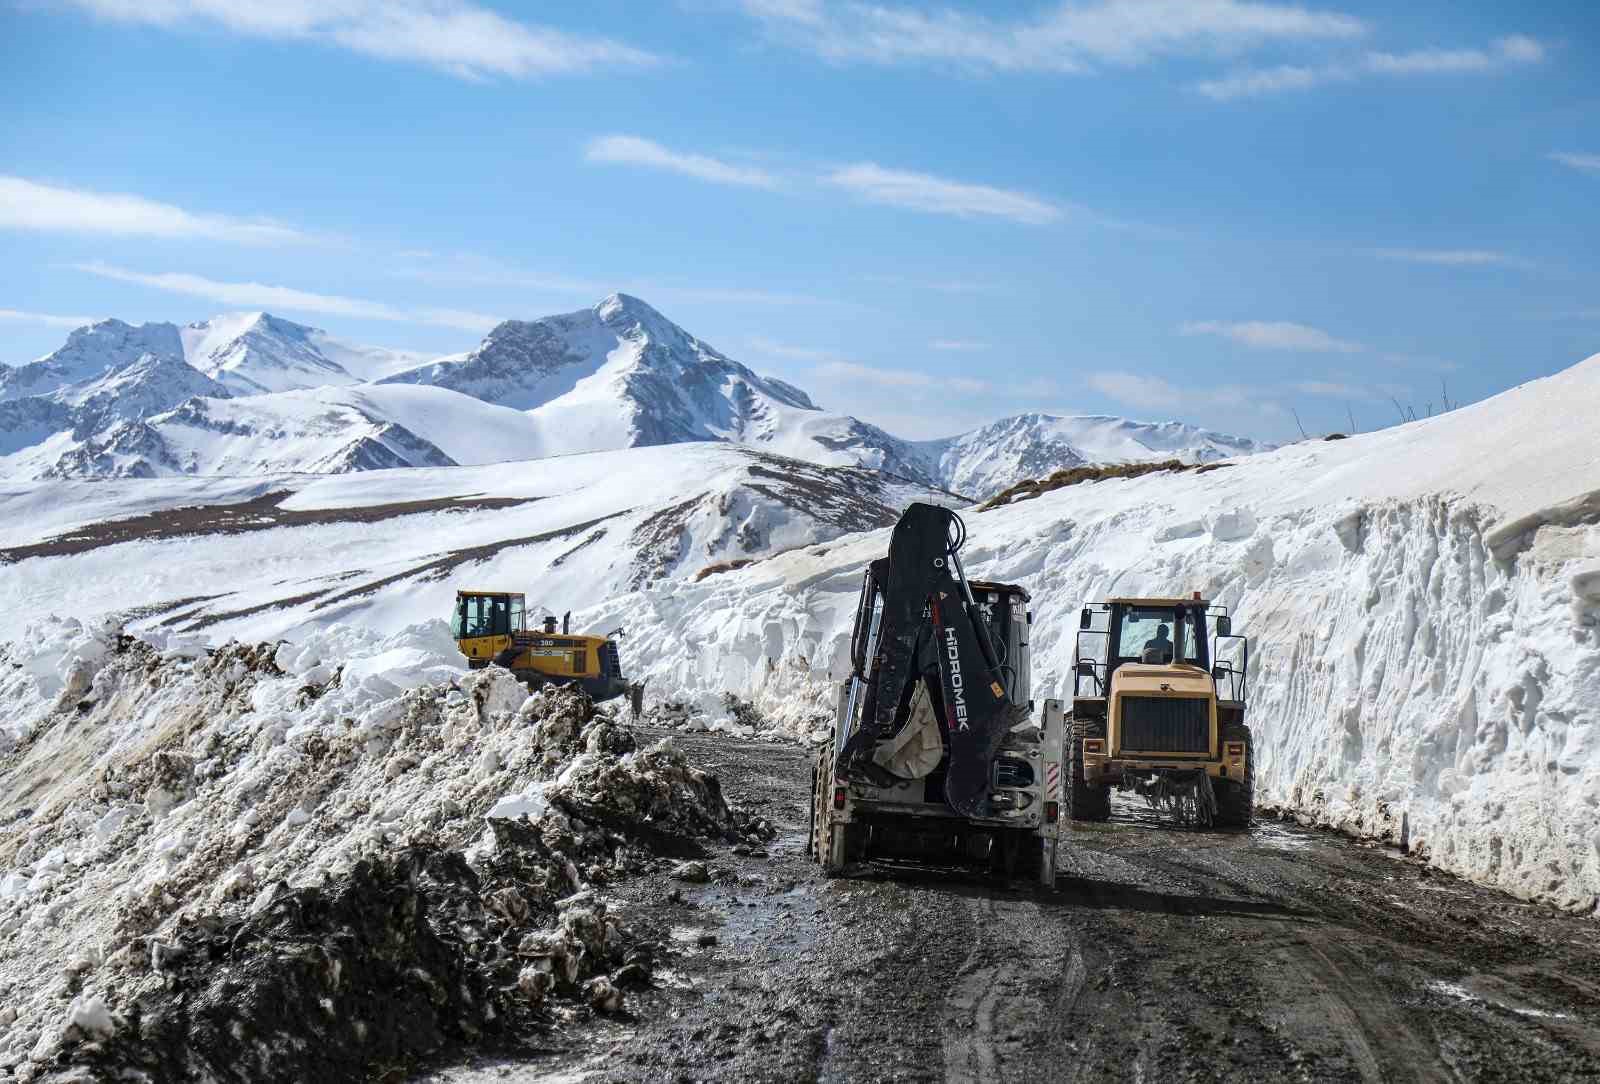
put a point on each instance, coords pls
(988, 459)
(254, 353)
(89, 353)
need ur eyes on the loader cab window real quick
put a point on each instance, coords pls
(483, 615)
(1162, 634)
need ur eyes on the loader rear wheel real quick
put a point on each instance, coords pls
(846, 844)
(1236, 798)
(1085, 803)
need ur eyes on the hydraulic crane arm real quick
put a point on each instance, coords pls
(929, 628)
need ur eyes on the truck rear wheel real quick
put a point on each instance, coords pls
(1236, 798)
(1084, 802)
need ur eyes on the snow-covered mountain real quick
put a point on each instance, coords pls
(255, 353)
(40, 435)
(88, 354)
(330, 430)
(622, 375)
(984, 461)
(617, 375)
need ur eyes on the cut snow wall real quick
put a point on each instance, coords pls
(1405, 683)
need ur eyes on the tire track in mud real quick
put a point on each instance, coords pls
(1001, 1017)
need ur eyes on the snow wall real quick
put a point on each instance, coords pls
(1422, 608)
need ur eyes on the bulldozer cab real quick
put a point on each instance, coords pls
(488, 613)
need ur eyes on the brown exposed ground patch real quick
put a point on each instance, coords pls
(1072, 476)
(258, 514)
(435, 568)
(723, 566)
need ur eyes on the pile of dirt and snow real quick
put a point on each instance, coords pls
(1421, 603)
(315, 860)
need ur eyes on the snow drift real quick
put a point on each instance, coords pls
(1423, 606)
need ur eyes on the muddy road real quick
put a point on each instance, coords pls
(1164, 955)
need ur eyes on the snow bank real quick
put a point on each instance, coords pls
(1422, 606)
(295, 794)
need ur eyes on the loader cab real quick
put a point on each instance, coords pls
(1158, 632)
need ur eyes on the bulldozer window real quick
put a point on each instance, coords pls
(483, 615)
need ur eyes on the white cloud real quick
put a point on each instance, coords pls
(1156, 394)
(828, 365)
(455, 36)
(867, 374)
(255, 295)
(936, 195)
(957, 345)
(1516, 49)
(1068, 37)
(28, 205)
(1273, 335)
(1587, 162)
(17, 316)
(636, 151)
(1447, 257)
(1254, 82)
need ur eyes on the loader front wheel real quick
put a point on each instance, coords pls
(1236, 798)
(1084, 802)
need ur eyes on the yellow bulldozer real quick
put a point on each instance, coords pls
(491, 627)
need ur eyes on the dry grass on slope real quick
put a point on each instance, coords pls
(1072, 476)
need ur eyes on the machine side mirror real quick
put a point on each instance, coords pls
(1086, 618)
(1086, 668)
(1220, 673)
(1224, 625)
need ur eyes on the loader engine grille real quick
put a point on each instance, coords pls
(610, 665)
(1164, 724)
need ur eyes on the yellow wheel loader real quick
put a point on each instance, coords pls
(491, 627)
(1154, 712)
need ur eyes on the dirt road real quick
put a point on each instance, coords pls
(1164, 955)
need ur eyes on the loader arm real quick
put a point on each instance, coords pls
(930, 629)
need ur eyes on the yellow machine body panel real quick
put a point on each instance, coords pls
(1179, 695)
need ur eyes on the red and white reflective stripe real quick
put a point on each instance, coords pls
(1052, 780)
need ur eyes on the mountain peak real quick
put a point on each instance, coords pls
(622, 306)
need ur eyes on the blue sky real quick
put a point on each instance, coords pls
(1215, 210)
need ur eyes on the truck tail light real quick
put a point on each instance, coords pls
(1236, 748)
(838, 797)
(1094, 745)
(1052, 812)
